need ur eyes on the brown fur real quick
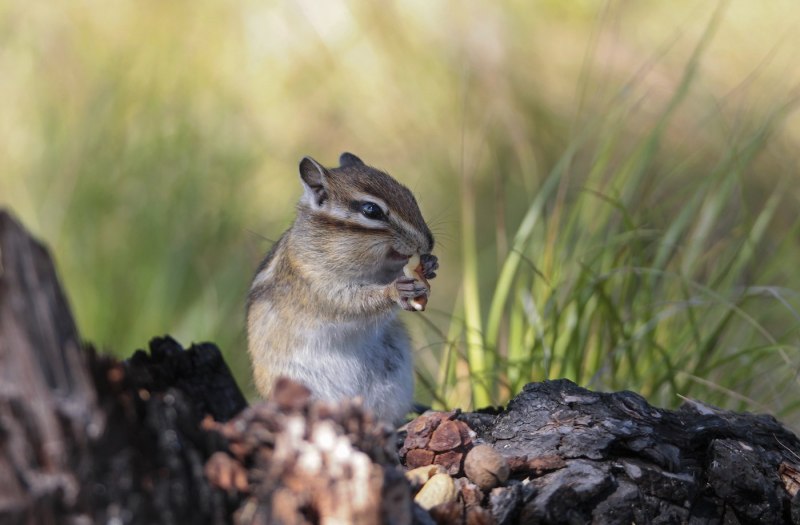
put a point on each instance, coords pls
(322, 307)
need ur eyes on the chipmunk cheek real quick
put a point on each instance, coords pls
(396, 255)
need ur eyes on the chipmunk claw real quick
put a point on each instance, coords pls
(408, 289)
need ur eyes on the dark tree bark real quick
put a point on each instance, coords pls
(89, 439)
(199, 373)
(47, 400)
(613, 458)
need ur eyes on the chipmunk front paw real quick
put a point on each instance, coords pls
(409, 292)
(430, 263)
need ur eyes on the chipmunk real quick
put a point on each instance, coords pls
(322, 308)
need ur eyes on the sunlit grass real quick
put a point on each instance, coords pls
(612, 283)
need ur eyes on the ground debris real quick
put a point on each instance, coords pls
(437, 438)
(308, 460)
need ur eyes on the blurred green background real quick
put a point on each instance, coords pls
(613, 185)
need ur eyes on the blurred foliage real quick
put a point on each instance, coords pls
(612, 184)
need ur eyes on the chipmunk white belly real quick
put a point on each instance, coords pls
(349, 359)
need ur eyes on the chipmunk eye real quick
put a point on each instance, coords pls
(370, 210)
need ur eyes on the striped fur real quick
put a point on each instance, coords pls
(322, 308)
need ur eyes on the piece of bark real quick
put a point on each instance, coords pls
(447, 436)
(310, 462)
(200, 372)
(48, 407)
(81, 440)
(436, 438)
(613, 458)
(419, 457)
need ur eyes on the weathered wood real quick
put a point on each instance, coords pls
(310, 463)
(149, 461)
(87, 439)
(48, 407)
(199, 372)
(580, 456)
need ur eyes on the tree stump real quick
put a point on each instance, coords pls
(48, 406)
(87, 439)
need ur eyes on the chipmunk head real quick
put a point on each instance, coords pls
(369, 224)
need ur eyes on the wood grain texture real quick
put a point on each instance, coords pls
(614, 458)
(86, 438)
(48, 406)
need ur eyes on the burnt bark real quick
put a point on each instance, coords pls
(579, 456)
(85, 438)
(200, 373)
(47, 402)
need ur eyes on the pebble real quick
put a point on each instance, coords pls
(486, 467)
(420, 476)
(439, 489)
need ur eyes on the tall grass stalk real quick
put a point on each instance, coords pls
(476, 356)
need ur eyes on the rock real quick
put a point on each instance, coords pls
(438, 490)
(419, 476)
(486, 467)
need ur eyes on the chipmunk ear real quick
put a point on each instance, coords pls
(348, 159)
(315, 181)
